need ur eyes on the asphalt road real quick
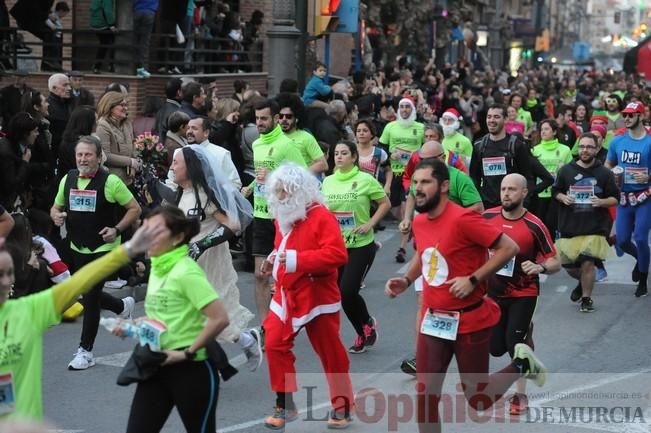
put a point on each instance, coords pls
(600, 373)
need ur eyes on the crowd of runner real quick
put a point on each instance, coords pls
(493, 179)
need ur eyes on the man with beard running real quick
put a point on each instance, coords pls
(496, 155)
(632, 152)
(457, 317)
(269, 151)
(461, 191)
(516, 286)
(308, 251)
(455, 141)
(291, 112)
(585, 189)
(402, 137)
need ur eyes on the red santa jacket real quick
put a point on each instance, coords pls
(306, 286)
(453, 160)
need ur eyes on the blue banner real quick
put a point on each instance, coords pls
(348, 13)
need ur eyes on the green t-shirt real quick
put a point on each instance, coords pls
(115, 191)
(307, 145)
(349, 196)
(459, 144)
(270, 150)
(404, 141)
(462, 189)
(176, 299)
(525, 117)
(552, 155)
(23, 322)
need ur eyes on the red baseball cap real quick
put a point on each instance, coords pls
(634, 107)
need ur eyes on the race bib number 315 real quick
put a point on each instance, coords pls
(82, 200)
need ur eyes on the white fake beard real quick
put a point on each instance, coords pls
(408, 121)
(288, 212)
(450, 129)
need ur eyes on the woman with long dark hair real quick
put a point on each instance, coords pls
(82, 123)
(42, 180)
(349, 193)
(16, 167)
(222, 212)
(179, 296)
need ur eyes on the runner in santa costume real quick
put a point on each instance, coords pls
(309, 249)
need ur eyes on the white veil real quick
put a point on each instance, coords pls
(229, 199)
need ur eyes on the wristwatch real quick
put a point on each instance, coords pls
(473, 280)
(118, 232)
(189, 355)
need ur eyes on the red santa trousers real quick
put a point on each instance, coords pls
(323, 333)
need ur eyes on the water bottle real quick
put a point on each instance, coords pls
(128, 328)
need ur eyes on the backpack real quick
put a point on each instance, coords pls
(377, 160)
(513, 139)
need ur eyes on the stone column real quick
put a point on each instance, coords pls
(283, 39)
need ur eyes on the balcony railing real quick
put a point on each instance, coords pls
(78, 50)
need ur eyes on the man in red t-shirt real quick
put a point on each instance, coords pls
(516, 286)
(457, 318)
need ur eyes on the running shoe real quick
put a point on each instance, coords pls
(576, 293)
(358, 346)
(641, 290)
(400, 255)
(601, 275)
(142, 73)
(370, 332)
(531, 366)
(253, 353)
(83, 359)
(408, 366)
(635, 274)
(280, 417)
(115, 284)
(338, 421)
(129, 305)
(518, 404)
(586, 305)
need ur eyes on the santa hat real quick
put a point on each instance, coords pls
(601, 129)
(408, 100)
(452, 112)
(599, 117)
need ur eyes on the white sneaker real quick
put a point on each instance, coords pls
(129, 306)
(254, 352)
(115, 284)
(83, 359)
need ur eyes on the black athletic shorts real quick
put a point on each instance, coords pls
(264, 233)
(397, 191)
